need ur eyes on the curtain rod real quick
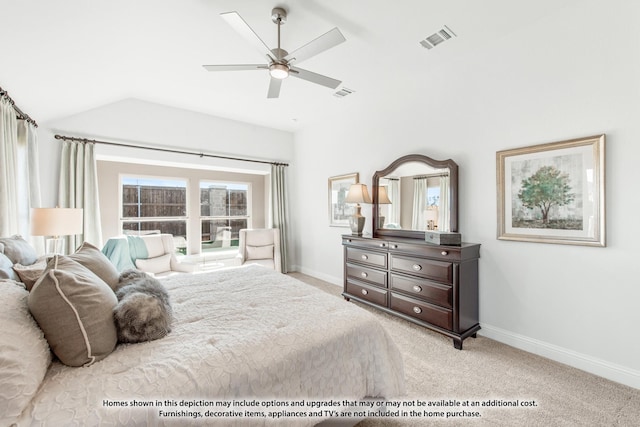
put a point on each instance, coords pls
(166, 150)
(19, 113)
(431, 175)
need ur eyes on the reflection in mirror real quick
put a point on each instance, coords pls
(414, 194)
(413, 202)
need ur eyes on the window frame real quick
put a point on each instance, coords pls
(122, 219)
(247, 217)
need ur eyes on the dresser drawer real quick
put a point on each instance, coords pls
(365, 243)
(432, 269)
(367, 257)
(431, 251)
(366, 274)
(424, 311)
(369, 293)
(436, 293)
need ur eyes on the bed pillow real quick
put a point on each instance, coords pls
(18, 250)
(159, 264)
(6, 268)
(74, 308)
(93, 259)
(29, 274)
(25, 355)
(260, 252)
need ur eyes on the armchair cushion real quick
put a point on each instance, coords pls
(260, 252)
(155, 265)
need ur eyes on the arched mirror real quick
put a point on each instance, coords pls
(414, 194)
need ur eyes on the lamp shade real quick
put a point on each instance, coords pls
(56, 221)
(358, 193)
(431, 215)
(383, 196)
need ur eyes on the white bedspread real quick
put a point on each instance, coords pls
(240, 333)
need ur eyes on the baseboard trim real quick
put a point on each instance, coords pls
(318, 275)
(602, 368)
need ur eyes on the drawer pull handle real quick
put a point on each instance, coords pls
(364, 274)
(417, 288)
(417, 310)
(444, 253)
(364, 257)
(364, 292)
(416, 267)
(394, 246)
(383, 245)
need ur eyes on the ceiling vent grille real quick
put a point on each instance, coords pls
(343, 92)
(438, 37)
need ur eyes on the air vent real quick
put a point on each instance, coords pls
(438, 37)
(343, 92)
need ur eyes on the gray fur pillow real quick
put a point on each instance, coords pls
(143, 312)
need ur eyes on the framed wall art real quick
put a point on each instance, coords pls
(339, 211)
(553, 193)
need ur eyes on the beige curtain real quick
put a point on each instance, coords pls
(419, 203)
(79, 189)
(29, 181)
(9, 212)
(279, 210)
(19, 175)
(443, 207)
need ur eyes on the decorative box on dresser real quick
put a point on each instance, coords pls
(430, 285)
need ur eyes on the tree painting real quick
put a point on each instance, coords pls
(546, 188)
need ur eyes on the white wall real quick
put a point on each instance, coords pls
(573, 74)
(137, 122)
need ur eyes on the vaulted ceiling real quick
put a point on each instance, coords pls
(64, 57)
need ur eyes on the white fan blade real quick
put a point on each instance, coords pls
(274, 88)
(236, 67)
(314, 77)
(326, 41)
(237, 23)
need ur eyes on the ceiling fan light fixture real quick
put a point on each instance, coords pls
(279, 71)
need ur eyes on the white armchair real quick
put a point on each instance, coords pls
(161, 259)
(260, 246)
(151, 253)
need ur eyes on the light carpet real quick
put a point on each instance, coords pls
(487, 370)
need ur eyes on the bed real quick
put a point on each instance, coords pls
(245, 334)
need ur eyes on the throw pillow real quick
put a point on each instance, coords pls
(29, 274)
(159, 264)
(18, 250)
(6, 270)
(93, 259)
(260, 252)
(25, 355)
(74, 308)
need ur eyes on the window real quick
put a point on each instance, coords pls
(155, 205)
(224, 210)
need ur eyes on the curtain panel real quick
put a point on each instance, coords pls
(79, 189)
(279, 210)
(419, 203)
(9, 213)
(19, 175)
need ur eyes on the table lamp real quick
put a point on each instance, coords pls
(383, 199)
(55, 223)
(357, 194)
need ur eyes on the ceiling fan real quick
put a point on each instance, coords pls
(280, 62)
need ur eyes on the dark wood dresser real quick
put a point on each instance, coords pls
(433, 286)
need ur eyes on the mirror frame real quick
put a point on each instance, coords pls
(453, 194)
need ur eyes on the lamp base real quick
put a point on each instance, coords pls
(357, 225)
(54, 246)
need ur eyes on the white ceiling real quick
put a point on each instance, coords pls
(61, 58)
